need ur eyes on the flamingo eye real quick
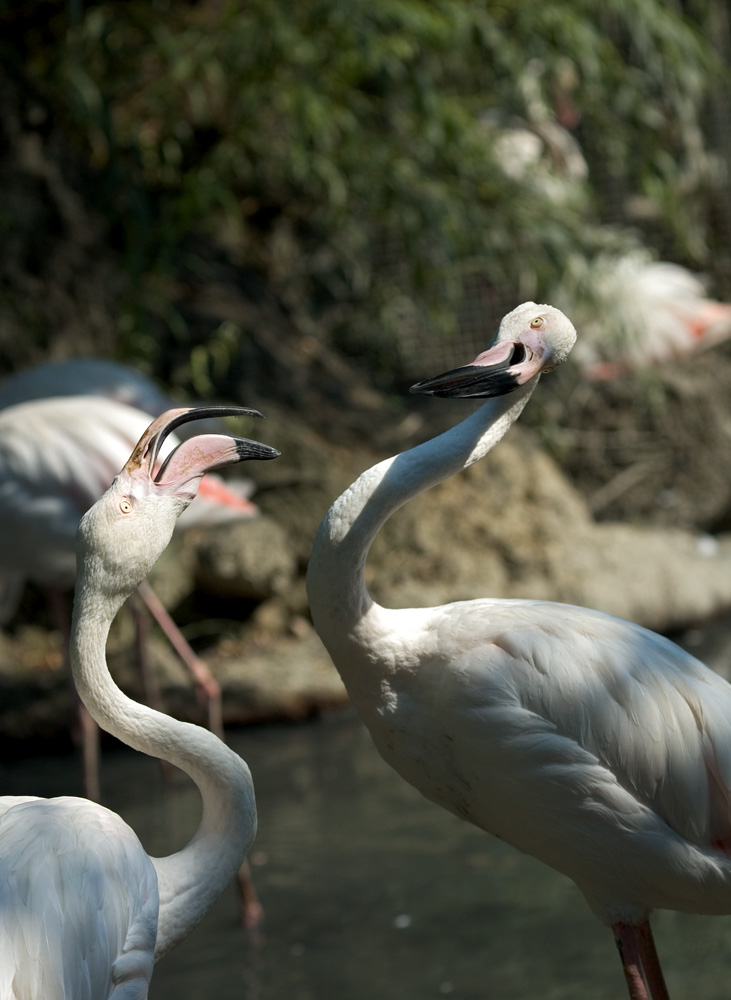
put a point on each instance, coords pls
(125, 506)
(535, 323)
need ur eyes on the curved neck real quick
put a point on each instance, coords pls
(335, 577)
(192, 879)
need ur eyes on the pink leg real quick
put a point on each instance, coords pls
(651, 963)
(90, 754)
(625, 936)
(252, 912)
(207, 683)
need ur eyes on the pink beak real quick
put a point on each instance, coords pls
(184, 467)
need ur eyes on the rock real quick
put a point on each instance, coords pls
(289, 679)
(510, 526)
(248, 559)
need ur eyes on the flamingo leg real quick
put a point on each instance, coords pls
(651, 963)
(207, 683)
(90, 752)
(252, 912)
(626, 938)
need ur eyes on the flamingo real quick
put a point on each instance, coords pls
(57, 456)
(85, 377)
(45, 490)
(597, 746)
(661, 312)
(85, 911)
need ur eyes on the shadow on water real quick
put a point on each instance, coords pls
(371, 891)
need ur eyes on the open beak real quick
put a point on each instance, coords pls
(186, 465)
(498, 370)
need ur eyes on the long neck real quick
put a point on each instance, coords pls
(335, 578)
(191, 880)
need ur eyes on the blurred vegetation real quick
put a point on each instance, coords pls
(350, 155)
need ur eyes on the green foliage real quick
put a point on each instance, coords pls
(341, 147)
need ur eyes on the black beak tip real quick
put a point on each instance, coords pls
(420, 389)
(247, 449)
(469, 382)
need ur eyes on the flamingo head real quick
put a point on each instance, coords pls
(122, 536)
(531, 339)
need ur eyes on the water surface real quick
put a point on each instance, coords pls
(371, 891)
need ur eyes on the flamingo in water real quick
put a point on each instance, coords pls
(85, 911)
(591, 743)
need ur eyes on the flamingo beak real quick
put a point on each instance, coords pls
(185, 466)
(500, 369)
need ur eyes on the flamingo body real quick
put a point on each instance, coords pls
(57, 456)
(595, 745)
(661, 313)
(67, 865)
(610, 763)
(66, 428)
(85, 912)
(84, 377)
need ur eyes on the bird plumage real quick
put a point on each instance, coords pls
(69, 924)
(57, 456)
(656, 312)
(84, 912)
(584, 740)
(85, 377)
(618, 745)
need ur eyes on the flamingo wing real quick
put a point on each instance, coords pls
(57, 456)
(79, 903)
(85, 377)
(652, 716)
(563, 704)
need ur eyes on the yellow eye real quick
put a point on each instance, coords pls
(125, 506)
(535, 323)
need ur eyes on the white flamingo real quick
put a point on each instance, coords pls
(85, 377)
(660, 312)
(85, 912)
(586, 741)
(57, 456)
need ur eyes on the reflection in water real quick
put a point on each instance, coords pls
(371, 891)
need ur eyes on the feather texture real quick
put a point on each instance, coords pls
(69, 926)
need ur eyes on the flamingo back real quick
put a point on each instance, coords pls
(79, 910)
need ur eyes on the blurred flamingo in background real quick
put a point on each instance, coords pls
(86, 912)
(56, 458)
(658, 312)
